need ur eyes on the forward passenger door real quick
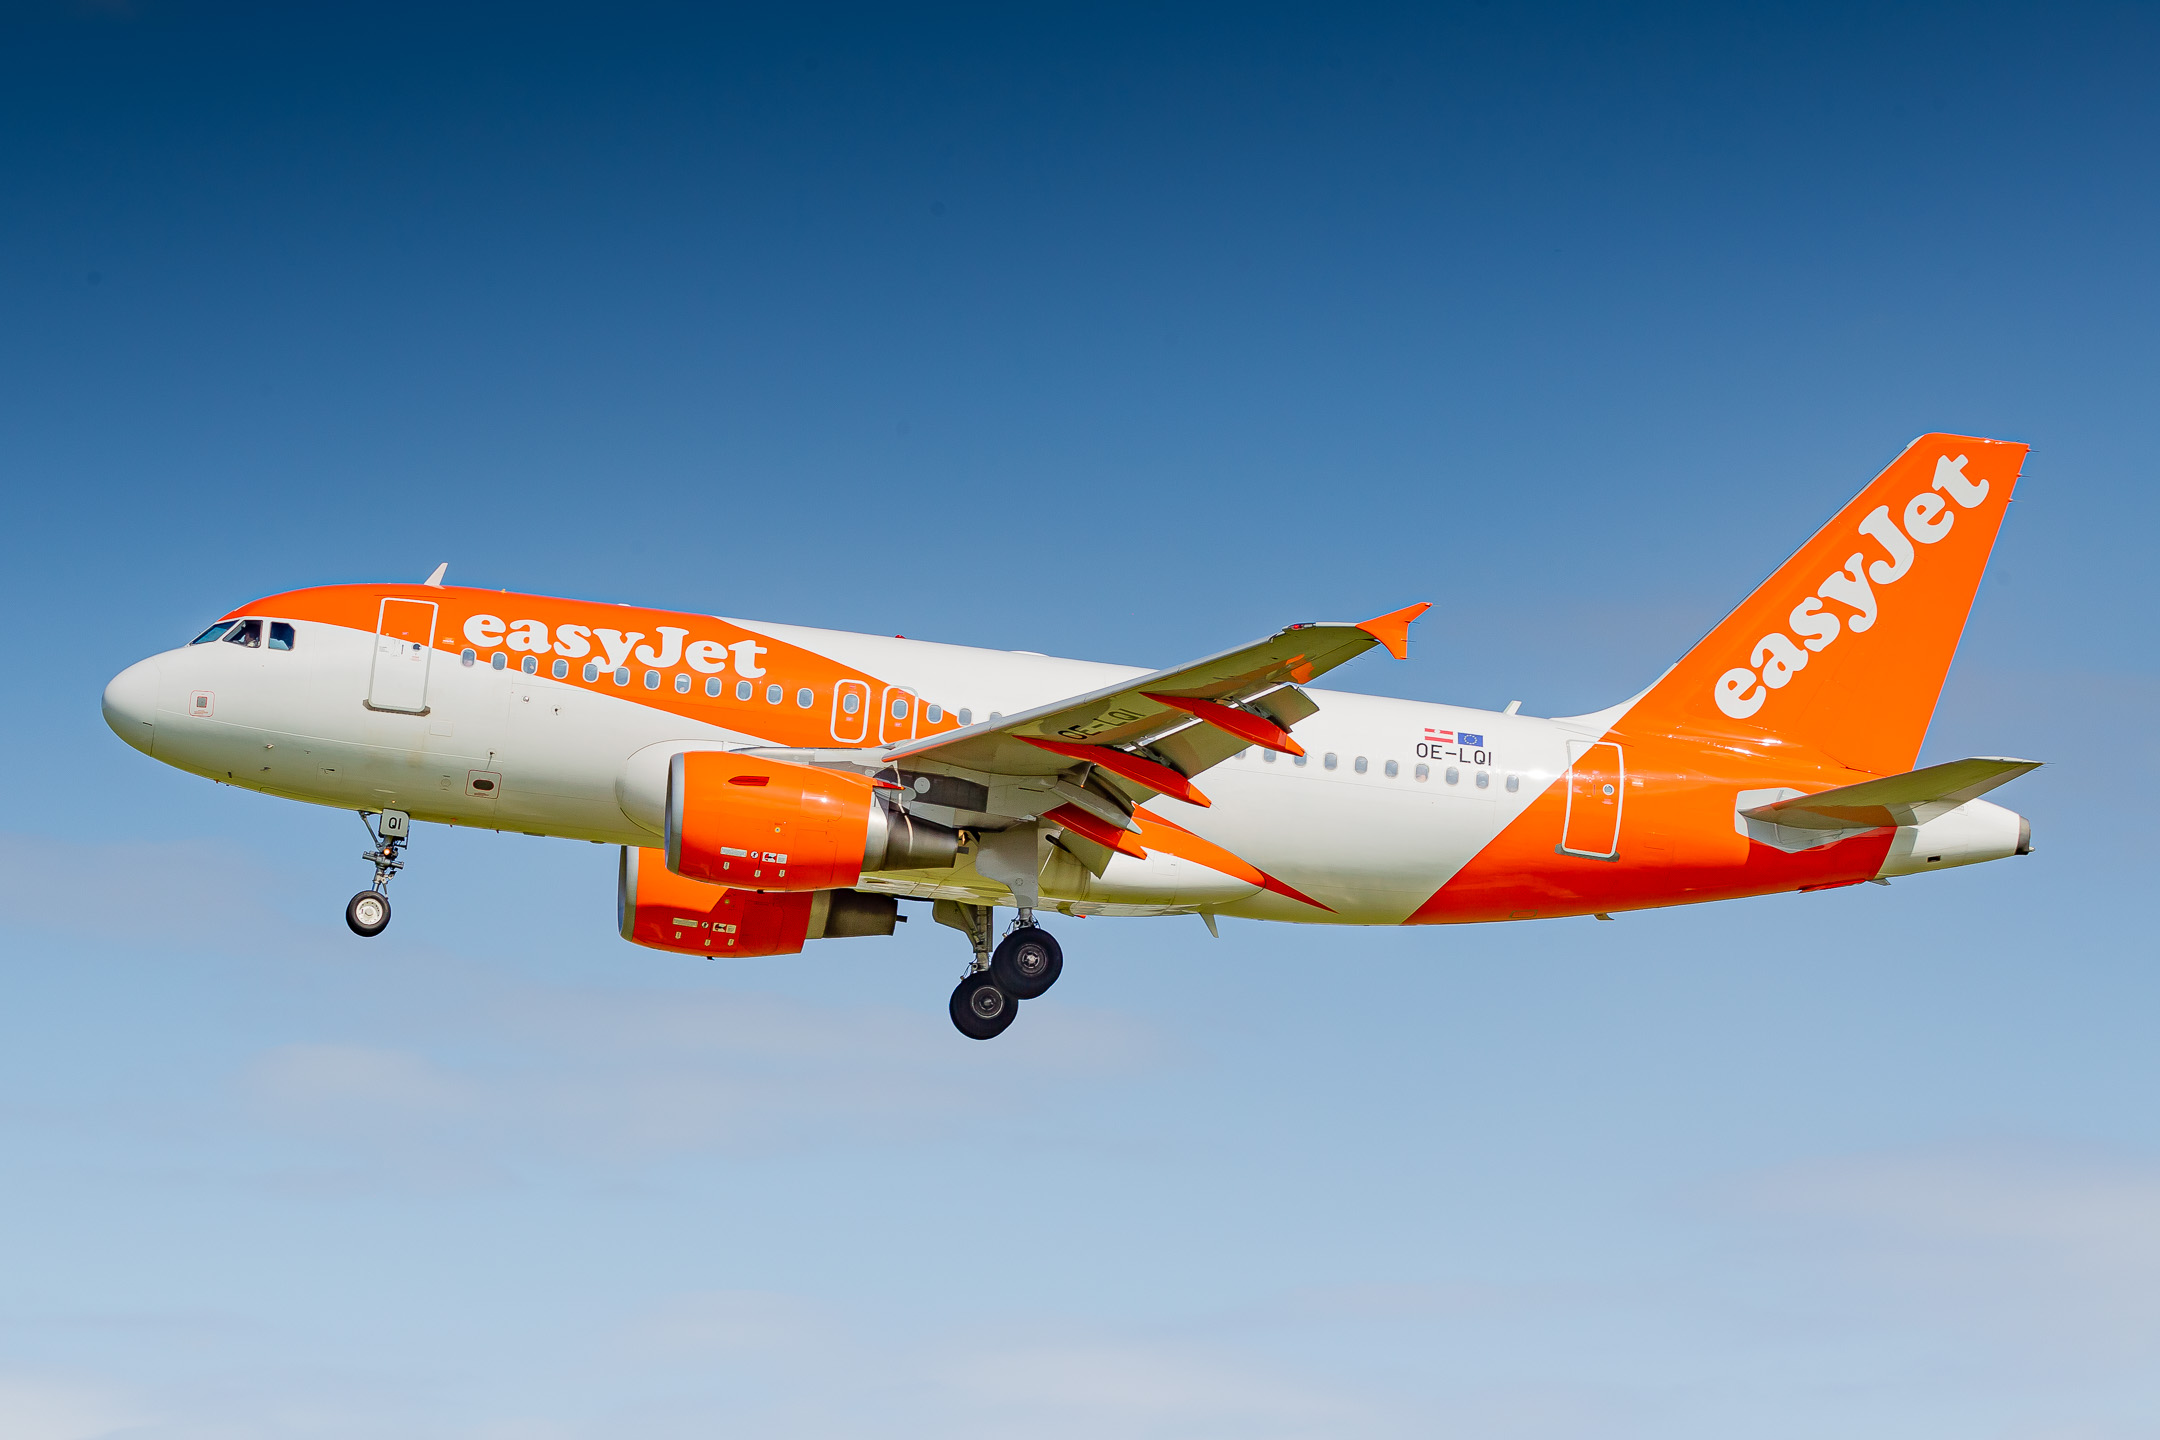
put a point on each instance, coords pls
(404, 645)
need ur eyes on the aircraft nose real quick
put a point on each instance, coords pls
(131, 703)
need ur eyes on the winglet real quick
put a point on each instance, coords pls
(1393, 628)
(435, 580)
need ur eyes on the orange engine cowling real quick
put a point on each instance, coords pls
(657, 908)
(772, 825)
(667, 912)
(766, 824)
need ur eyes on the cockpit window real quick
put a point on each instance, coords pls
(215, 632)
(245, 632)
(281, 635)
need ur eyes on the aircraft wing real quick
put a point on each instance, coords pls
(1909, 799)
(1152, 734)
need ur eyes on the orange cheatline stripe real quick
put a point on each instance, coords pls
(1174, 839)
(1255, 729)
(1095, 828)
(1129, 765)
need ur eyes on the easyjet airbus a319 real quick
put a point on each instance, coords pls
(771, 785)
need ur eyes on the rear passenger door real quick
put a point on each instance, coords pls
(1596, 784)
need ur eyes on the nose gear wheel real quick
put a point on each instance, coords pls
(367, 913)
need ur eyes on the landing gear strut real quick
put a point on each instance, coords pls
(1026, 963)
(368, 913)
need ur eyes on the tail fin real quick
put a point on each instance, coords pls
(1846, 646)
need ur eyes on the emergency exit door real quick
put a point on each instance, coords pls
(404, 644)
(1596, 785)
(896, 715)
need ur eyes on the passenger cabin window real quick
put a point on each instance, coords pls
(1392, 769)
(967, 718)
(281, 635)
(215, 632)
(245, 632)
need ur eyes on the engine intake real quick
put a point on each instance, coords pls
(758, 824)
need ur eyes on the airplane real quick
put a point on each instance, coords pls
(768, 785)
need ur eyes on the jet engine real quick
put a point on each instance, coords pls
(664, 911)
(755, 824)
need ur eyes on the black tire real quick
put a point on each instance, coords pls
(368, 913)
(1027, 962)
(975, 996)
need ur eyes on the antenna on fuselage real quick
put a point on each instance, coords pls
(436, 578)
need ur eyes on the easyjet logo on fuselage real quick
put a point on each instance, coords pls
(617, 647)
(1776, 658)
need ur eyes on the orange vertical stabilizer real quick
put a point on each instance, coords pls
(1845, 647)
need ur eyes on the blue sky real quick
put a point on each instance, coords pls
(1115, 332)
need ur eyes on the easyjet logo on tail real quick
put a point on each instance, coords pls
(1776, 658)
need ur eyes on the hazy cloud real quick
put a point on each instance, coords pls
(824, 1371)
(2054, 1252)
(34, 1408)
(610, 1074)
(179, 894)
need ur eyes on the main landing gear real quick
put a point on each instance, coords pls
(367, 914)
(1026, 963)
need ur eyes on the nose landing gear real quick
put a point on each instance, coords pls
(367, 914)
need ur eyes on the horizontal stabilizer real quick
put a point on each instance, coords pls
(1913, 798)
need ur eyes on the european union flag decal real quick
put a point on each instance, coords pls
(1464, 737)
